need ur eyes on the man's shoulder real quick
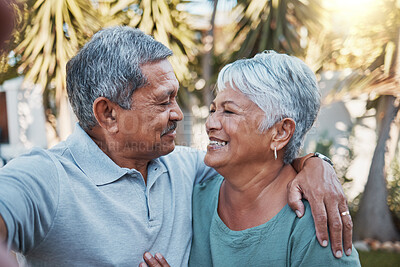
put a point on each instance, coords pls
(186, 149)
(39, 159)
(184, 153)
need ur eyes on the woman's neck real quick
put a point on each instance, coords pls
(253, 197)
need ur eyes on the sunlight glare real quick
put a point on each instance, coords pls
(353, 6)
(346, 13)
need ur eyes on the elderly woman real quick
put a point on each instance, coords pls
(264, 107)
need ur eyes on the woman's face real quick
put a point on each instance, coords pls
(233, 131)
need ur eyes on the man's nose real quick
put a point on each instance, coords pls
(176, 113)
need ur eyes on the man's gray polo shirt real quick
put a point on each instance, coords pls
(73, 206)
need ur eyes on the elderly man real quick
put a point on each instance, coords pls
(118, 187)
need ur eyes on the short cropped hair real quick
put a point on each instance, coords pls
(109, 66)
(282, 86)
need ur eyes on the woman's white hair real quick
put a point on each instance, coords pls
(282, 86)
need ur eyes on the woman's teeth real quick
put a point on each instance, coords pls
(218, 143)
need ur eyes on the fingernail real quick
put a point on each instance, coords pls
(338, 254)
(147, 255)
(348, 252)
(158, 256)
(298, 213)
(324, 243)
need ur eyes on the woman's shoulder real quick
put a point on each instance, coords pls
(207, 191)
(307, 251)
(210, 184)
(304, 227)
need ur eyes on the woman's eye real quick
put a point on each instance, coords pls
(166, 103)
(229, 112)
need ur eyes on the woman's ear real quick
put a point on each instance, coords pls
(284, 131)
(105, 112)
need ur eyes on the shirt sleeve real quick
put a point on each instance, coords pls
(315, 255)
(203, 171)
(29, 189)
(306, 250)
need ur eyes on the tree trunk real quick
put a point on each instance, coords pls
(373, 219)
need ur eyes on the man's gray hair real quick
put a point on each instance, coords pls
(109, 66)
(282, 86)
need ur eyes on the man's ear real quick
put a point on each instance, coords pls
(284, 131)
(105, 112)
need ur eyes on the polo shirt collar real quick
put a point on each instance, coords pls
(92, 160)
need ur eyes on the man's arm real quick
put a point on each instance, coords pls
(204, 172)
(317, 182)
(28, 199)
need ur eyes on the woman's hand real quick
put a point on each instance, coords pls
(317, 182)
(5, 257)
(157, 261)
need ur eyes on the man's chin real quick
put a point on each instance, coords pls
(167, 148)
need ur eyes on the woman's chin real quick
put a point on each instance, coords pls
(210, 161)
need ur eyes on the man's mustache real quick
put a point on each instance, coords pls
(172, 126)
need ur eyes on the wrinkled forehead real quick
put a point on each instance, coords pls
(160, 72)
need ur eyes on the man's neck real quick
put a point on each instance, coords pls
(120, 154)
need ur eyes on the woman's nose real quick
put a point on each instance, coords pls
(213, 122)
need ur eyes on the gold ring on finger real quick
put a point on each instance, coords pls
(344, 213)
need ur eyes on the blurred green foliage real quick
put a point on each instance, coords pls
(342, 160)
(280, 25)
(394, 190)
(379, 258)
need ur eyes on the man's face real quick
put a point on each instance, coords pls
(147, 130)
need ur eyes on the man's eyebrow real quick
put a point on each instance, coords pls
(166, 94)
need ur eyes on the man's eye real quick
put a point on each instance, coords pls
(166, 103)
(228, 112)
(212, 110)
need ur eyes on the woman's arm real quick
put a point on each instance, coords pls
(151, 261)
(5, 257)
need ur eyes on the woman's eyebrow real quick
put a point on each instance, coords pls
(226, 102)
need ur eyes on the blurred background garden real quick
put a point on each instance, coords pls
(352, 45)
